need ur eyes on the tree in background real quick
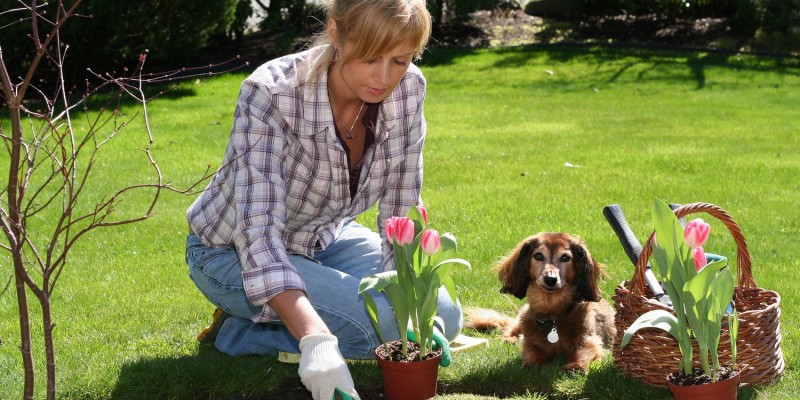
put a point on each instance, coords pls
(244, 10)
(53, 138)
(110, 34)
(777, 22)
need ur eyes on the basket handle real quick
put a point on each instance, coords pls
(743, 267)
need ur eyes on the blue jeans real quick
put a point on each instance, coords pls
(331, 280)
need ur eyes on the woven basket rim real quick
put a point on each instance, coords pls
(743, 262)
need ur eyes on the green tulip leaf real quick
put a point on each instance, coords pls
(659, 319)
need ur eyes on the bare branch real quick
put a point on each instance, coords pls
(42, 46)
(195, 72)
(5, 289)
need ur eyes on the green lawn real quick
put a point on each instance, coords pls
(520, 140)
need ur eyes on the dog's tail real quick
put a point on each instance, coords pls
(482, 319)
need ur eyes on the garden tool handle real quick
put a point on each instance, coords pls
(340, 395)
(633, 248)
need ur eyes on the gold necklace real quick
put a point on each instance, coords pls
(349, 133)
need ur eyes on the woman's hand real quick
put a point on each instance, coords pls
(322, 367)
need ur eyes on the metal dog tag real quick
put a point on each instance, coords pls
(552, 337)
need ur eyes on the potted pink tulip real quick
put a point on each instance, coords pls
(702, 294)
(424, 261)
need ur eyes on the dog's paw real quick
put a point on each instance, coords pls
(510, 339)
(512, 336)
(576, 367)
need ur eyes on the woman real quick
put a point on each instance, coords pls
(318, 138)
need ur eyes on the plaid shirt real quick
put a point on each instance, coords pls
(283, 184)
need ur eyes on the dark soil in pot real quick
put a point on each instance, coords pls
(396, 354)
(698, 377)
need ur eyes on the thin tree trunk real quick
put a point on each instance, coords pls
(14, 230)
(50, 356)
(24, 327)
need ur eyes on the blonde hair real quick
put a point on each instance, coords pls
(374, 27)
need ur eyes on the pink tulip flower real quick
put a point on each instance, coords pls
(430, 242)
(699, 258)
(390, 227)
(400, 229)
(424, 213)
(696, 233)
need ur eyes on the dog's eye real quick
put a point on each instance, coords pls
(538, 256)
(565, 258)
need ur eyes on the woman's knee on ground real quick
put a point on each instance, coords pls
(451, 314)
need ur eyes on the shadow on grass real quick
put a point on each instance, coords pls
(503, 377)
(209, 375)
(510, 379)
(155, 85)
(622, 58)
(112, 99)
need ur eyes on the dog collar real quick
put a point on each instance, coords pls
(546, 323)
(552, 337)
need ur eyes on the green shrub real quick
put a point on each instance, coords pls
(559, 9)
(244, 9)
(744, 19)
(448, 11)
(778, 16)
(772, 23)
(292, 16)
(172, 31)
(113, 33)
(668, 8)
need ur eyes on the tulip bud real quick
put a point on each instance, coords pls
(424, 213)
(430, 242)
(696, 233)
(699, 256)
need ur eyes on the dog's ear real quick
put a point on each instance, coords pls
(514, 269)
(588, 272)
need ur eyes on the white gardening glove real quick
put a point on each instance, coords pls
(322, 367)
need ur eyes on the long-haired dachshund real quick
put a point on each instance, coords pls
(565, 314)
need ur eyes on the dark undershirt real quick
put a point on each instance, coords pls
(370, 116)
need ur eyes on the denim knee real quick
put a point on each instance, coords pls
(452, 315)
(217, 274)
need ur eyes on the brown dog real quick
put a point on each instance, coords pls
(565, 314)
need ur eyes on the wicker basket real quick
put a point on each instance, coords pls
(652, 353)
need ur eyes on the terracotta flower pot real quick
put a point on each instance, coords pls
(726, 389)
(408, 380)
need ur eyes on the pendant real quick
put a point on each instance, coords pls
(552, 337)
(348, 135)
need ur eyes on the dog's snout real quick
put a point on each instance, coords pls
(550, 281)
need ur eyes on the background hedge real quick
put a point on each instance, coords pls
(112, 33)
